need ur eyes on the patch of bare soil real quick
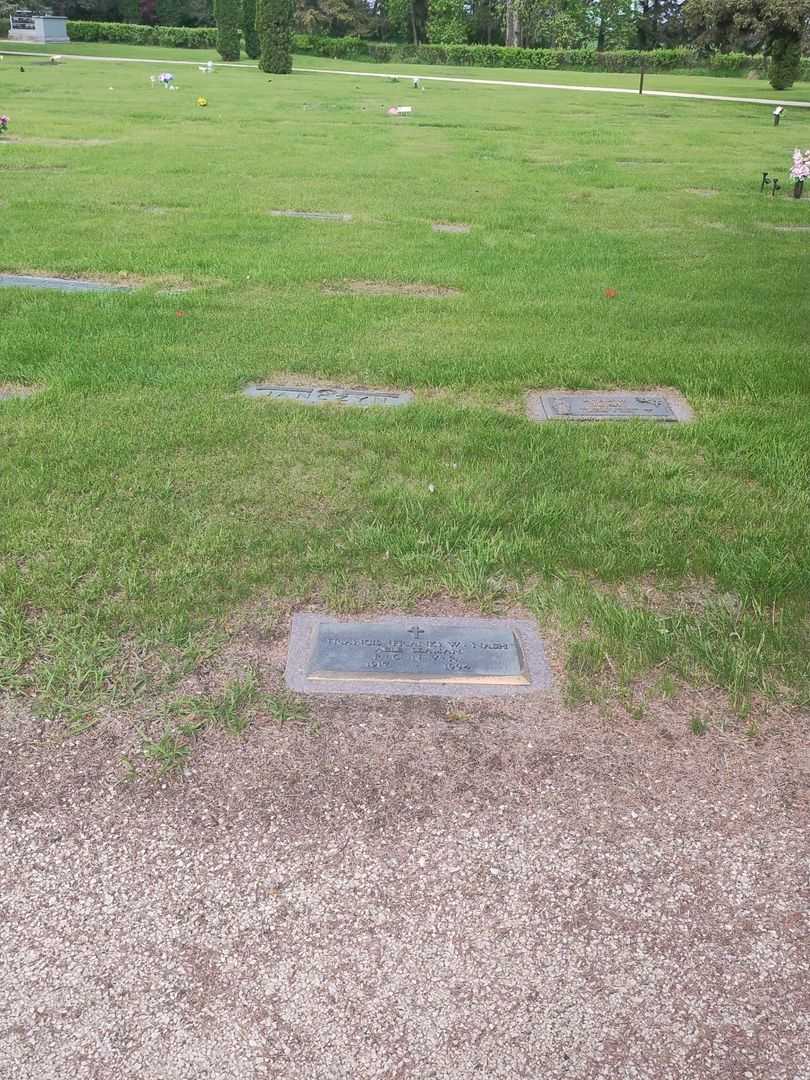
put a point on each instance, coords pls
(705, 193)
(694, 597)
(390, 288)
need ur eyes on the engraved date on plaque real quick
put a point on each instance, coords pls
(414, 653)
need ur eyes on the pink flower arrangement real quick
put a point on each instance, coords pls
(165, 77)
(800, 170)
(4, 122)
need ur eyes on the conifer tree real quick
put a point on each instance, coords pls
(274, 21)
(227, 14)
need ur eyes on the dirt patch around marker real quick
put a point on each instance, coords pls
(390, 288)
(704, 193)
(450, 227)
(17, 390)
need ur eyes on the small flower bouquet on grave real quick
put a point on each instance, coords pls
(166, 78)
(799, 171)
(4, 122)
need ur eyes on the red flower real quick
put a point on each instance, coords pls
(180, 314)
(611, 294)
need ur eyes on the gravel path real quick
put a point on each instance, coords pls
(413, 892)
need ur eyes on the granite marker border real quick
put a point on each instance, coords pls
(303, 633)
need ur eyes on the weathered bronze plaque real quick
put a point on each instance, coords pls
(606, 405)
(313, 395)
(26, 281)
(415, 653)
(450, 656)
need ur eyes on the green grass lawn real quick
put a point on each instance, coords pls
(145, 500)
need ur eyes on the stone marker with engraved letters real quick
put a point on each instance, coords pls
(667, 406)
(28, 281)
(339, 395)
(453, 657)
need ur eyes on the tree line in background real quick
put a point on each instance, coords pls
(778, 28)
(727, 25)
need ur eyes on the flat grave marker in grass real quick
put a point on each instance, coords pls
(311, 215)
(30, 281)
(450, 227)
(667, 407)
(16, 390)
(446, 657)
(330, 395)
(391, 288)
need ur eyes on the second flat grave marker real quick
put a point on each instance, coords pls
(666, 406)
(30, 281)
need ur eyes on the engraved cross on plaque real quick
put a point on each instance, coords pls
(416, 631)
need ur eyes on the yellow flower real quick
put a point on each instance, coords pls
(201, 102)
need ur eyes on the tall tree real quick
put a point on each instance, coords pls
(775, 26)
(249, 28)
(512, 23)
(274, 21)
(227, 13)
(447, 24)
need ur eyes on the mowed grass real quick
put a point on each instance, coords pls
(146, 501)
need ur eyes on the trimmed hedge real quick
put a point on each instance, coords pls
(5, 26)
(627, 60)
(494, 56)
(177, 37)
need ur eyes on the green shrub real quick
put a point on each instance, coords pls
(274, 21)
(5, 26)
(227, 14)
(493, 56)
(381, 52)
(249, 33)
(785, 52)
(179, 37)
